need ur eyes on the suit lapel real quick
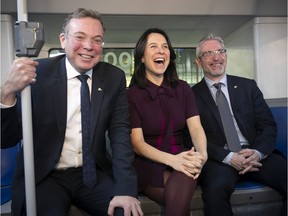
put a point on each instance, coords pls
(235, 90)
(207, 98)
(96, 96)
(60, 95)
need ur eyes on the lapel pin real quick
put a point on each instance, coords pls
(235, 87)
(99, 89)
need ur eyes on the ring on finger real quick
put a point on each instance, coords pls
(33, 80)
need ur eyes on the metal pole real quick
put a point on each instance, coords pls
(27, 131)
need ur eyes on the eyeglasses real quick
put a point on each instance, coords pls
(210, 54)
(81, 38)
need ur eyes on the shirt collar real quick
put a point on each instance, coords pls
(155, 90)
(72, 72)
(211, 83)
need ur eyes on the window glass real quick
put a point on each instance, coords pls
(123, 58)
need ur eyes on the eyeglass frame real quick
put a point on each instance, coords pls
(218, 52)
(83, 37)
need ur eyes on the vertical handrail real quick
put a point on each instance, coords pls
(27, 131)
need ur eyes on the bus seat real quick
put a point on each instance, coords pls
(8, 163)
(280, 116)
(245, 185)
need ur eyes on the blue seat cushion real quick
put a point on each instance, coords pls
(5, 194)
(248, 185)
(8, 163)
(280, 116)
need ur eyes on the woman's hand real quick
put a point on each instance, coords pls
(189, 162)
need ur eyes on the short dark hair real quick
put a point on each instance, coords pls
(81, 13)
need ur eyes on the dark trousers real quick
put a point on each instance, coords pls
(62, 188)
(218, 181)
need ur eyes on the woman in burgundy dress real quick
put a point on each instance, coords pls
(161, 107)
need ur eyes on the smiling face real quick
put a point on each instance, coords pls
(82, 55)
(156, 57)
(213, 66)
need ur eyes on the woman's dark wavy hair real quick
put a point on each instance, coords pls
(139, 75)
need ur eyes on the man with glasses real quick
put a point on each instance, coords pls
(75, 100)
(249, 153)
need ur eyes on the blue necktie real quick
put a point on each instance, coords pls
(227, 121)
(89, 170)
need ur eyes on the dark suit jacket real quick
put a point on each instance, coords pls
(252, 114)
(109, 111)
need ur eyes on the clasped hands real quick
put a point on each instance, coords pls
(189, 162)
(246, 160)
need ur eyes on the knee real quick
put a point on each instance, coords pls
(217, 191)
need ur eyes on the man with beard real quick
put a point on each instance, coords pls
(255, 130)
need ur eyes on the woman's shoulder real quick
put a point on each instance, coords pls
(134, 91)
(182, 84)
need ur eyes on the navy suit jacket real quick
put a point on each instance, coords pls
(252, 114)
(109, 112)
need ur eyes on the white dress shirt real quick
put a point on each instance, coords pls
(71, 155)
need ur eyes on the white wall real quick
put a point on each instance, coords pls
(7, 44)
(160, 7)
(137, 7)
(240, 49)
(258, 50)
(270, 38)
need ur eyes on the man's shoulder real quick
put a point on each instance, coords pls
(107, 66)
(239, 79)
(198, 85)
(51, 61)
(108, 72)
(246, 83)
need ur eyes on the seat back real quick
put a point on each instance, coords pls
(280, 116)
(8, 163)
